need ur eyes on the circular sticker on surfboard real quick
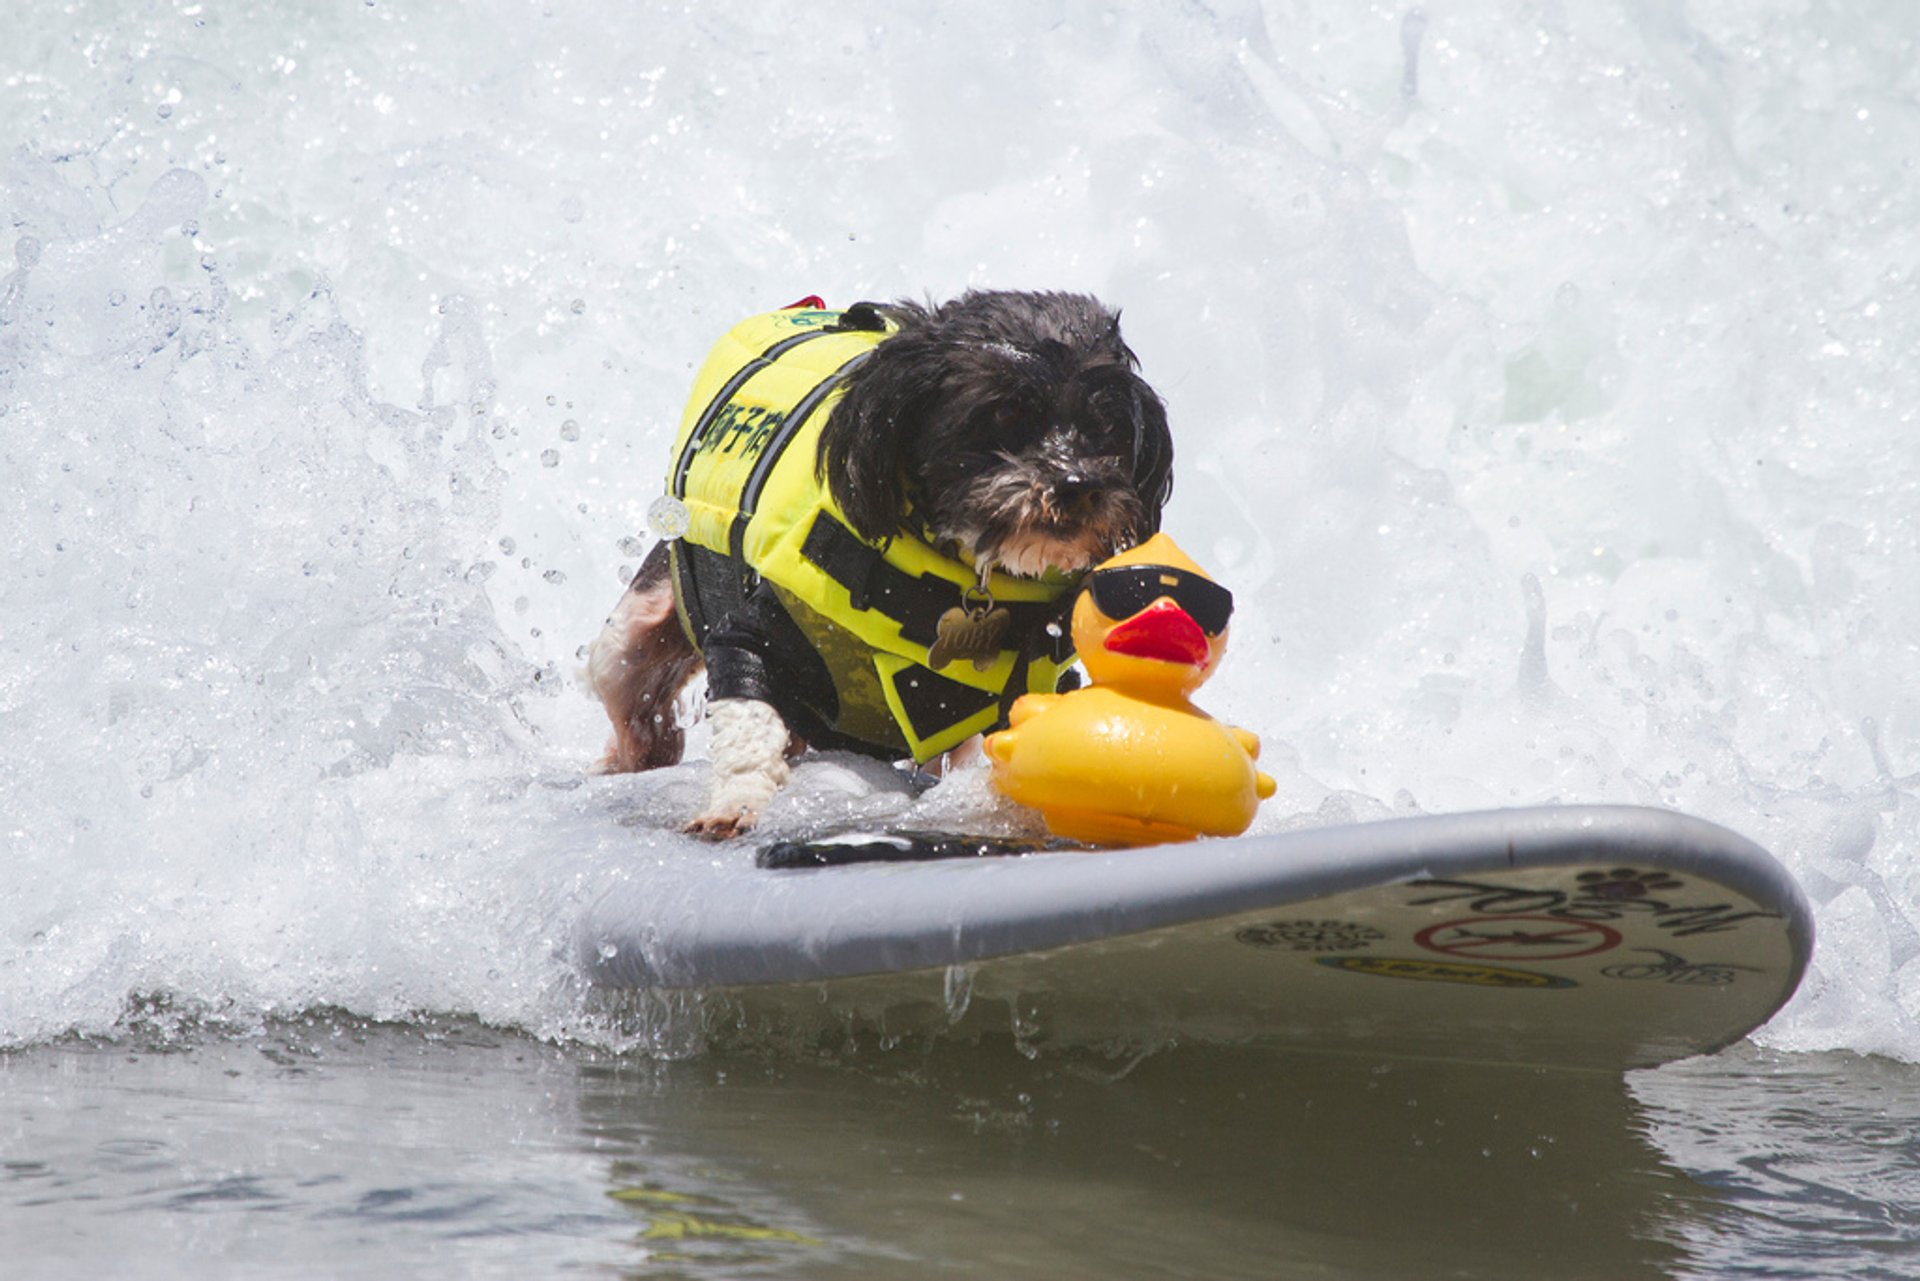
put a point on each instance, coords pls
(1518, 938)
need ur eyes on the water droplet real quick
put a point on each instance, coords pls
(667, 516)
(570, 430)
(958, 991)
(578, 306)
(555, 577)
(549, 458)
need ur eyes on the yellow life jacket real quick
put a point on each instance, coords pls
(745, 471)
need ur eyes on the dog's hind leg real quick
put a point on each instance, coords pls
(637, 666)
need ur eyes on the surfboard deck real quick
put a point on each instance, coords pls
(1579, 937)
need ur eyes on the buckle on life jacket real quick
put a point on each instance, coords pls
(865, 317)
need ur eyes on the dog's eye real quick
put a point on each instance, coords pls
(1112, 414)
(1112, 435)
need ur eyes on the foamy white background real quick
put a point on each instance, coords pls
(1542, 374)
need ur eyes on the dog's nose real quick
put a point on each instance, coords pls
(1075, 491)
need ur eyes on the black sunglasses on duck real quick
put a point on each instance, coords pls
(1125, 590)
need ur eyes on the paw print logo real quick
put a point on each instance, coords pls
(1624, 883)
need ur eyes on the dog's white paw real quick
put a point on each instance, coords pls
(749, 766)
(722, 827)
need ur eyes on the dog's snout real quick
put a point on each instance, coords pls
(1076, 491)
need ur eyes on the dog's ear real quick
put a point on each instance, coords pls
(862, 456)
(1110, 338)
(1129, 412)
(1152, 454)
(1152, 439)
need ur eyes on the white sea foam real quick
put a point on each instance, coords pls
(1542, 380)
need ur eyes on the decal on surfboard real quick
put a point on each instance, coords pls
(1397, 967)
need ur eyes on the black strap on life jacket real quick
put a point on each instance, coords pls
(1052, 639)
(915, 602)
(708, 586)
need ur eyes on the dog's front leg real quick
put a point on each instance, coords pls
(749, 754)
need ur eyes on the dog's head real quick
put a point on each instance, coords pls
(1013, 424)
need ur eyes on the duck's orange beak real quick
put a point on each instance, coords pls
(1161, 631)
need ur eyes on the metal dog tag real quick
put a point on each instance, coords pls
(971, 631)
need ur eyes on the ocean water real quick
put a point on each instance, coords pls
(1544, 386)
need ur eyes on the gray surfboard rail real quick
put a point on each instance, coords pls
(1482, 899)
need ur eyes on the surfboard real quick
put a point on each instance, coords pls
(1576, 937)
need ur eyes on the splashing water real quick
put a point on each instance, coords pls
(1539, 378)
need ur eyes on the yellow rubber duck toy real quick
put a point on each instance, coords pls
(1127, 760)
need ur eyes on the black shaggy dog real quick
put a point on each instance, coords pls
(1011, 431)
